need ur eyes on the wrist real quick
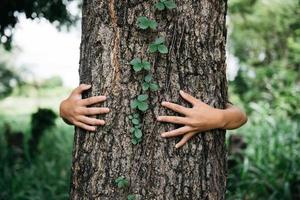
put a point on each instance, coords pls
(222, 119)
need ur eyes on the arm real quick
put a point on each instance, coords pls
(233, 117)
(75, 111)
(201, 117)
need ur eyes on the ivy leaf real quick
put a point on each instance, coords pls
(170, 4)
(138, 126)
(134, 104)
(144, 23)
(134, 141)
(143, 106)
(136, 115)
(162, 49)
(137, 68)
(146, 86)
(159, 40)
(146, 65)
(135, 61)
(121, 182)
(132, 129)
(131, 197)
(138, 133)
(160, 6)
(152, 24)
(130, 116)
(142, 97)
(154, 87)
(135, 121)
(148, 78)
(153, 48)
(137, 64)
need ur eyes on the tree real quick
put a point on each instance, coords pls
(113, 38)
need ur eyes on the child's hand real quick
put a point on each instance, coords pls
(74, 109)
(201, 117)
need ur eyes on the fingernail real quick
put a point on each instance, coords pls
(181, 92)
(163, 103)
(163, 135)
(158, 118)
(176, 146)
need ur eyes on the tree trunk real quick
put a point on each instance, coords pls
(195, 34)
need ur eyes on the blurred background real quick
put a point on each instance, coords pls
(39, 55)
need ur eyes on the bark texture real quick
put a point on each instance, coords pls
(196, 35)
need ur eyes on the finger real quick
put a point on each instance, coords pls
(177, 132)
(189, 98)
(91, 121)
(84, 126)
(94, 111)
(175, 107)
(81, 88)
(185, 139)
(173, 119)
(92, 100)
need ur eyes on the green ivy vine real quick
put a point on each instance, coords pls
(141, 103)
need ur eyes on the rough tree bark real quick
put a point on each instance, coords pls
(196, 35)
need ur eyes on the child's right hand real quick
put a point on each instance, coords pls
(74, 109)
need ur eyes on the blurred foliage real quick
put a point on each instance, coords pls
(9, 80)
(271, 167)
(54, 11)
(265, 37)
(52, 82)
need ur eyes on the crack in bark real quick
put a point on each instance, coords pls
(115, 54)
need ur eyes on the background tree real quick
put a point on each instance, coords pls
(195, 35)
(54, 11)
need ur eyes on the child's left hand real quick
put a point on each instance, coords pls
(201, 117)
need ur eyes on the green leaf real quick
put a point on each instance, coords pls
(162, 49)
(143, 22)
(148, 78)
(170, 4)
(130, 116)
(143, 106)
(121, 182)
(134, 104)
(131, 197)
(138, 126)
(135, 61)
(138, 133)
(146, 86)
(136, 115)
(142, 97)
(160, 6)
(153, 48)
(135, 121)
(146, 65)
(152, 24)
(154, 87)
(134, 141)
(137, 67)
(159, 40)
(132, 130)
(119, 179)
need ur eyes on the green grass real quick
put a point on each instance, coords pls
(47, 175)
(271, 168)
